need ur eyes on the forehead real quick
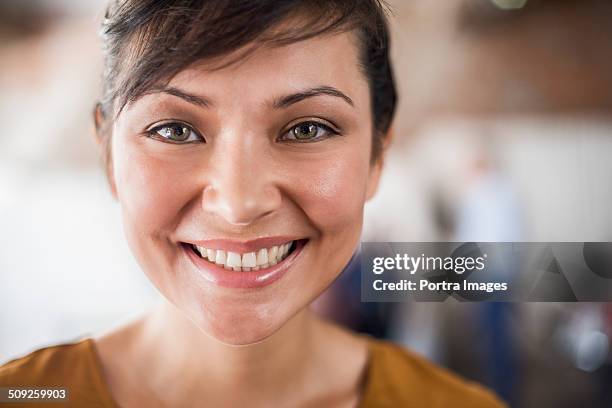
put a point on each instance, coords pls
(325, 60)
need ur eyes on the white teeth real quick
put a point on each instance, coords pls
(272, 254)
(201, 251)
(250, 261)
(220, 259)
(233, 260)
(262, 256)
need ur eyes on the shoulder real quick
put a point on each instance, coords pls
(46, 364)
(398, 377)
(72, 366)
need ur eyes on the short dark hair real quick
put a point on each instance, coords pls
(147, 42)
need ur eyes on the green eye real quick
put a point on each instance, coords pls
(175, 133)
(308, 132)
(305, 131)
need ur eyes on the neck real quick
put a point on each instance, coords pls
(271, 366)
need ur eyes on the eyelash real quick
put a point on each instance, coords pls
(329, 132)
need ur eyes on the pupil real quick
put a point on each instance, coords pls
(178, 132)
(306, 131)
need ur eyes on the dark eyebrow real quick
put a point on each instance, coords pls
(191, 98)
(278, 103)
(287, 100)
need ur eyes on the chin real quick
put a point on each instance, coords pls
(241, 337)
(239, 333)
(240, 327)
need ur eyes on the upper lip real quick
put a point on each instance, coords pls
(243, 246)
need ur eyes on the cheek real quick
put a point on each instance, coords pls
(332, 192)
(151, 188)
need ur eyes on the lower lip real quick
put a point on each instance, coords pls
(237, 279)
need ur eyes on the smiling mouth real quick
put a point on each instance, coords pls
(247, 261)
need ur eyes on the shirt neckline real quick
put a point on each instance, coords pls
(108, 399)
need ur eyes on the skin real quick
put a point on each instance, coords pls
(243, 183)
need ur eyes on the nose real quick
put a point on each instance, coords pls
(241, 187)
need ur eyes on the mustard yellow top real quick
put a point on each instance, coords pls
(395, 378)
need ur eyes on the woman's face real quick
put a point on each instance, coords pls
(271, 150)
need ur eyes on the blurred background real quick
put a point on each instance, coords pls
(503, 133)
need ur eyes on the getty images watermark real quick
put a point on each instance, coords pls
(471, 271)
